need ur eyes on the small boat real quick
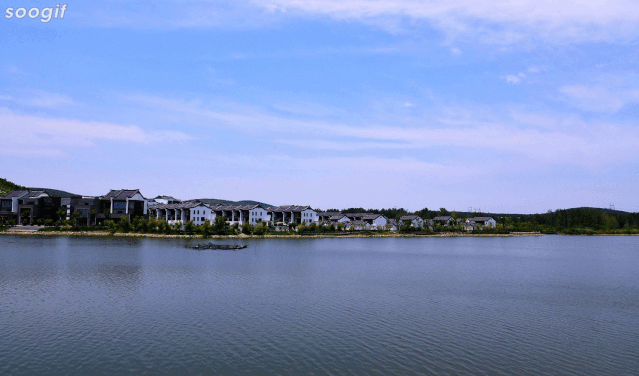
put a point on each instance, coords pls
(226, 247)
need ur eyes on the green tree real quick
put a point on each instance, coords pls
(111, 225)
(124, 225)
(220, 227)
(205, 229)
(259, 229)
(91, 218)
(189, 228)
(247, 229)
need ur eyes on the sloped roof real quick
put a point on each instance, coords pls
(54, 192)
(165, 198)
(181, 205)
(409, 218)
(288, 208)
(372, 216)
(235, 207)
(121, 194)
(14, 194)
(443, 218)
(35, 194)
(481, 219)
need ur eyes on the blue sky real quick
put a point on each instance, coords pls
(505, 106)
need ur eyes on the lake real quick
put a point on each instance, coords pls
(356, 306)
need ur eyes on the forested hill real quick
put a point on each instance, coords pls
(215, 201)
(6, 186)
(576, 220)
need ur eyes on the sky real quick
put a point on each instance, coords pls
(497, 106)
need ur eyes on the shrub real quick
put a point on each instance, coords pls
(259, 229)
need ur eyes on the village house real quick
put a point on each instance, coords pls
(240, 214)
(292, 214)
(87, 206)
(118, 203)
(41, 203)
(182, 212)
(9, 204)
(391, 225)
(444, 220)
(375, 221)
(414, 220)
(482, 222)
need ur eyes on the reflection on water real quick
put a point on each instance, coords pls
(551, 305)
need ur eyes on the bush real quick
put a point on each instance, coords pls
(205, 229)
(189, 227)
(259, 229)
(247, 229)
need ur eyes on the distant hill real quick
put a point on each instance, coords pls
(214, 201)
(605, 210)
(251, 202)
(510, 215)
(6, 187)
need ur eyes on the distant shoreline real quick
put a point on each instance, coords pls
(244, 236)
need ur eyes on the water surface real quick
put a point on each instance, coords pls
(484, 306)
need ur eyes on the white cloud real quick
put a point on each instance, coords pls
(455, 51)
(550, 139)
(548, 19)
(51, 100)
(42, 136)
(512, 79)
(491, 21)
(599, 98)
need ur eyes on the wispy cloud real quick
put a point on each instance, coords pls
(594, 20)
(514, 79)
(499, 21)
(42, 136)
(531, 136)
(51, 100)
(599, 98)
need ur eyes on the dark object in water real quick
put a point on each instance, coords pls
(227, 247)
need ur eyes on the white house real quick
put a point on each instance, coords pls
(376, 221)
(257, 215)
(415, 221)
(444, 220)
(292, 214)
(482, 222)
(183, 212)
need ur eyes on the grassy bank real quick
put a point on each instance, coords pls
(244, 236)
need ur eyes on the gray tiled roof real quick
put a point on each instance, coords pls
(288, 208)
(443, 218)
(54, 192)
(14, 194)
(409, 218)
(180, 205)
(481, 219)
(121, 194)
(372, 216)
(234, 207)
(35, 194)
